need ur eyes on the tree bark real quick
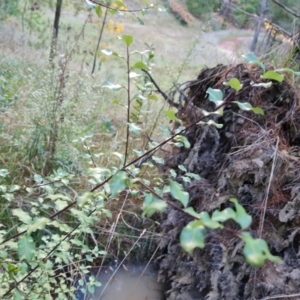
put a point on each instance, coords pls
(263, 10)
(55, 29)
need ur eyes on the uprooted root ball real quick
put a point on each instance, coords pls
(254, 158)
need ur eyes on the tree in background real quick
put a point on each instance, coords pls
(55, 29)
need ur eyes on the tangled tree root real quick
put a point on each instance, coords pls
(254, 158)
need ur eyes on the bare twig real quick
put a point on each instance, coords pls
(166, 97)
(286, 9)
(99, 40)
(261, 224)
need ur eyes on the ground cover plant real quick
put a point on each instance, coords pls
(87, 161)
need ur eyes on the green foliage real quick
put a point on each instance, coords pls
(9, 8)
(200, 7)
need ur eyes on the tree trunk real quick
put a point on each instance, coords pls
(263, 10)
(55, 29)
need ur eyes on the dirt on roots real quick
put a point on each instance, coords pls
(255, 158)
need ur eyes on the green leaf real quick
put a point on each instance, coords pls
(134, 75)
(140, 65)
(152, 205)
(208, 222)
(118, 183)
(192, 236)
(224, 215)
(212, 122)
(111, 86)
(98, 11)
(178, 193)
(141, 21)
(234, 83)
(258, 111)
(107, 52)
(134, 129)
(191, 212)
(256, 251)
(171, 116)
(127, 39)
(193, 175)
(252, 59)
(215, 96)
(26, 248)
(242, 218)
(3, 172)
(183, 140)
(22, 215)
(273, 76)
(14, 188)
(38, 178)
(84, 198)
(38, 223)
(243, 105)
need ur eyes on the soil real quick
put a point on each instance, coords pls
(254, 158)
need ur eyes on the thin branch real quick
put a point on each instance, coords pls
(166, 97)
(128, 104)
(287, 9)
(99, 40)
(265, 202)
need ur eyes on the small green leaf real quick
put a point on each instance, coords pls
(111, 86)
(212, 122)
(224, 215)
(171, 116)
(134, 129)
(256, 251)
(234, 83)
(152, 97)
(134, 75)
(273, 76)
(242, 218)
(244, 105)
(3, 172)
(191, 211)
(258, 111)
(107, 52)
(152, 205)
(193, 175)
(215, 96)
(37, 223)
(182, 168)
(99, 11)
(178, 193)
(84, 198)
(14, 188)
(192, 236)
(26, 248)
(141, 21)
(38, 178)
(183, 140)
(127, 39)
(208, 222)
(22, 215)
(252, 59)
(140, 65)
(118, 183)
